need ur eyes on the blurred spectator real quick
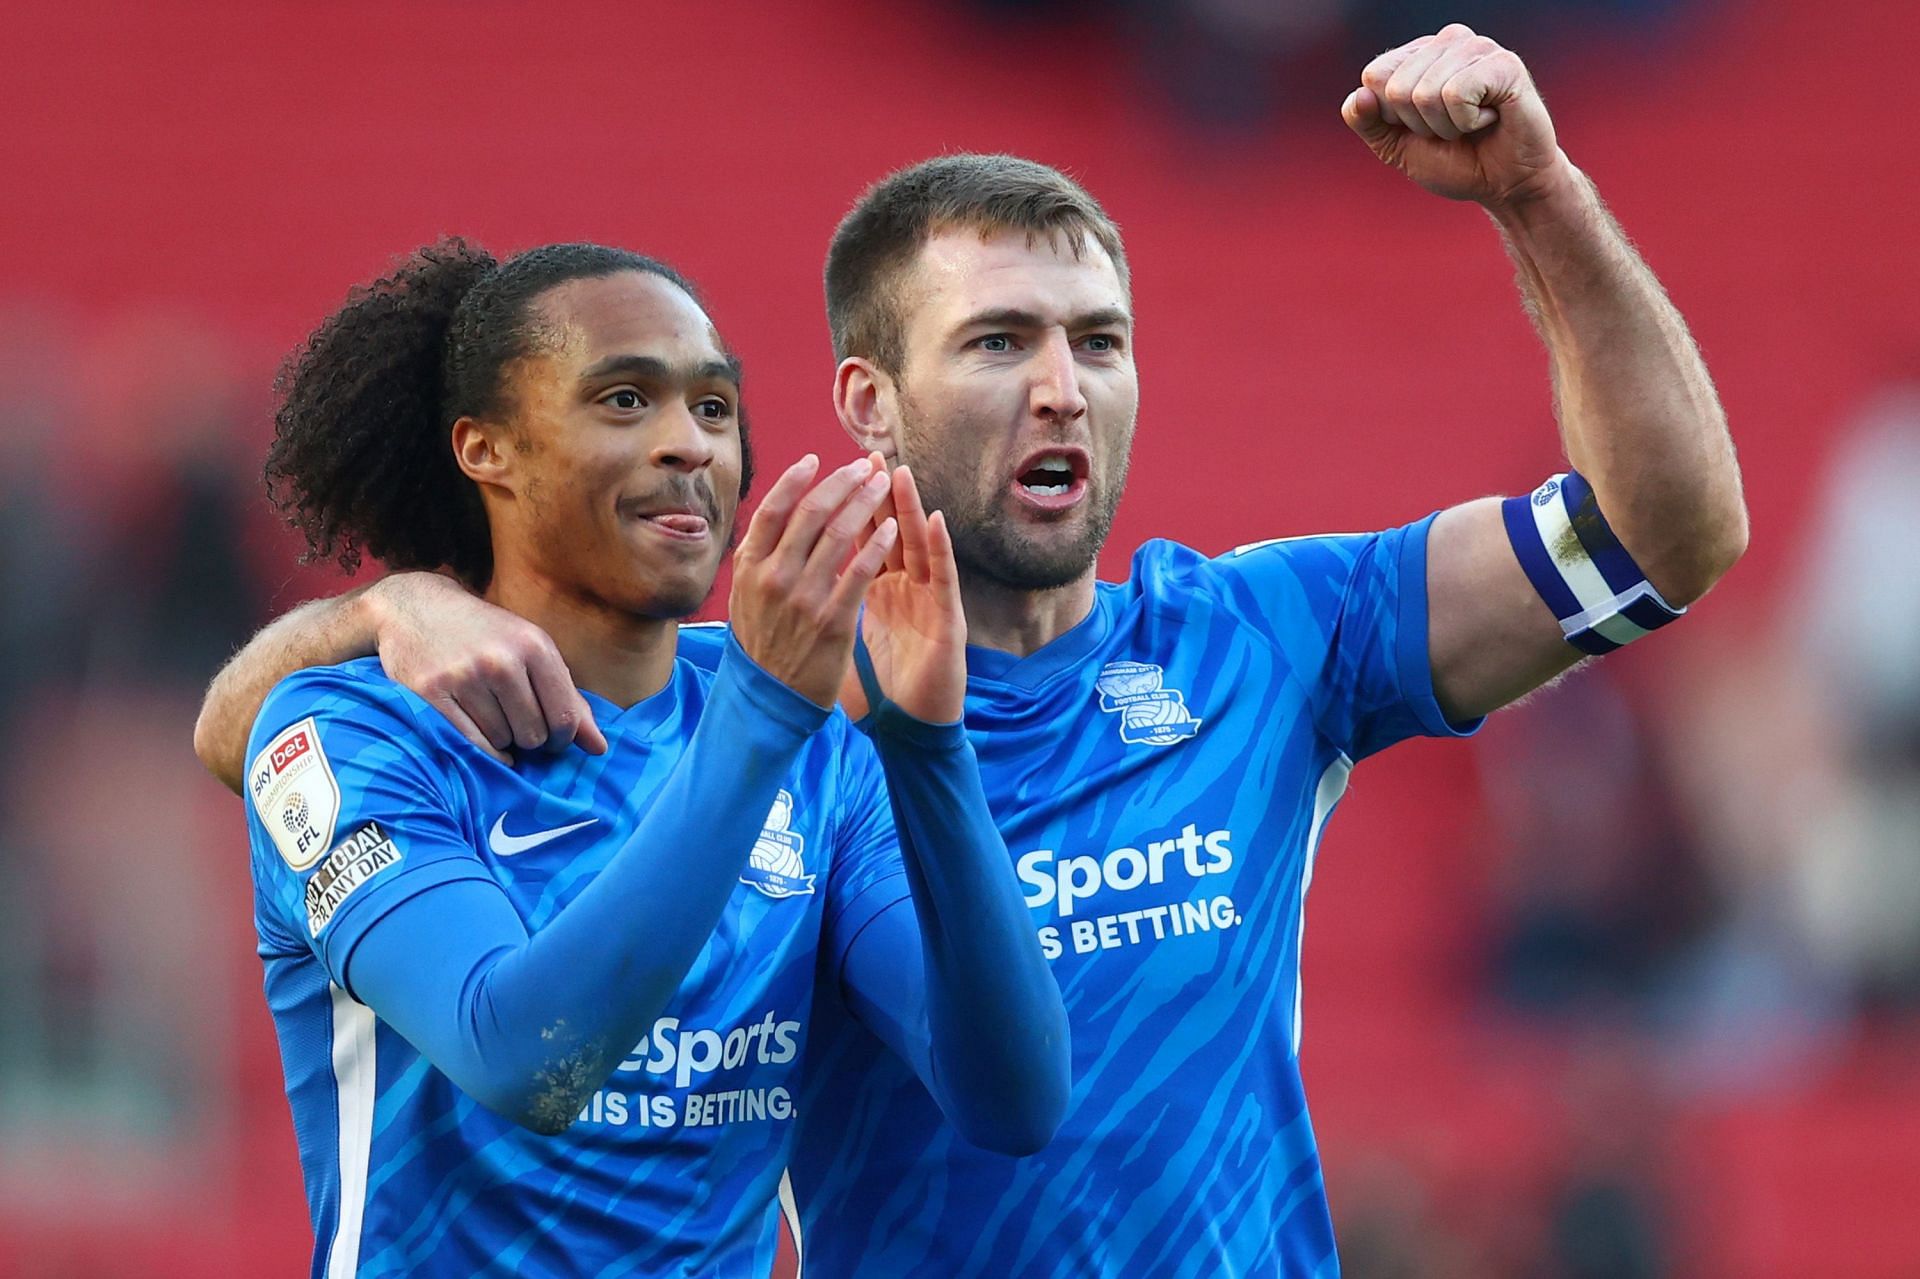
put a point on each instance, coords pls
(121, 598)
(1859, 598)
(40, 593)
(1235, 63)
(172, 595)
(1799, 759)
(41, 581)
(1601, 888)
(1388, 1228)
(1226, 62)
(1749, 750)
(1607, 1198)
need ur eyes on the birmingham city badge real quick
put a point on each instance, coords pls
(1150, 715)
(775, 866)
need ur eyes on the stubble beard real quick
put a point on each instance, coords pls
(990, 545)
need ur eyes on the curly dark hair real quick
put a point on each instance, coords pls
(361, 460)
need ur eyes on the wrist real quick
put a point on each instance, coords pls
(378, 607)
(367, 612)
(775, 700)
(1557, 194)
(892, 724)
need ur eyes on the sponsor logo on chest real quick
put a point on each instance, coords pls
(1126, 889)
(683, 1059)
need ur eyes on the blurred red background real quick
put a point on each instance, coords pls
(1322, 347)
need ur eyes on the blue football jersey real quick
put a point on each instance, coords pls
(361, 798)
(1162, 774)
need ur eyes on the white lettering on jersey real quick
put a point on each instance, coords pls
(358, 858)
(1070, 880)
(688, 1051)
(695, 1110)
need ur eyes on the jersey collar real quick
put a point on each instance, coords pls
(645, 715)
(991, 665)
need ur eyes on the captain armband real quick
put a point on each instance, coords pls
(1580, 569)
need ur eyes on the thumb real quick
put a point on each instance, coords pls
(1362, 113)
(588, 736)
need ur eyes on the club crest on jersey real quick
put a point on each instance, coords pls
(775, 867)
(1149, 714)
(293, 789)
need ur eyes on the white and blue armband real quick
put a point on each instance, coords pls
(1586, 577)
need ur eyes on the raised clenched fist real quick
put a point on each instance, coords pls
(1459, 114)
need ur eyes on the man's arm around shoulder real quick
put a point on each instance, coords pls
(496, 676)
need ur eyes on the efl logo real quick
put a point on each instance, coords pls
(293, 748)
(295, 793)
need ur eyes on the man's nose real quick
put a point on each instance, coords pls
(683, 442)
(1055, 392)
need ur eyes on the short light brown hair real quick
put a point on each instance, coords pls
(884, 233)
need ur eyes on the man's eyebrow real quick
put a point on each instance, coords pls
(1014, 317)
(654, 369)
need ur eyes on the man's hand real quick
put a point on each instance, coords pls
(802, 570)
(496, 676)
(914, 628)
(1459, 115)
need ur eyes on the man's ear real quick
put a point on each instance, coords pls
(867, 401)
(484, 454)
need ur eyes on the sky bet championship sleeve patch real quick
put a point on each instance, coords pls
(293, 790)
(357, 858)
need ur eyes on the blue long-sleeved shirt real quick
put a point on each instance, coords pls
(622, 947)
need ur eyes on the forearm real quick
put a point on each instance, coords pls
(530, 1026)
(1637, 409)
(998, 1050)
(317, 633)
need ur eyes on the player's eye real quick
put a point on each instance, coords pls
(995, 342)
(626, 399)
(714, 409)
(1101, 343)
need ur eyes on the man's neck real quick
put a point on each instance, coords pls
(623, 658)
(1021, 621)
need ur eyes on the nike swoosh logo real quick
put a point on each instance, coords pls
(505, 845)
